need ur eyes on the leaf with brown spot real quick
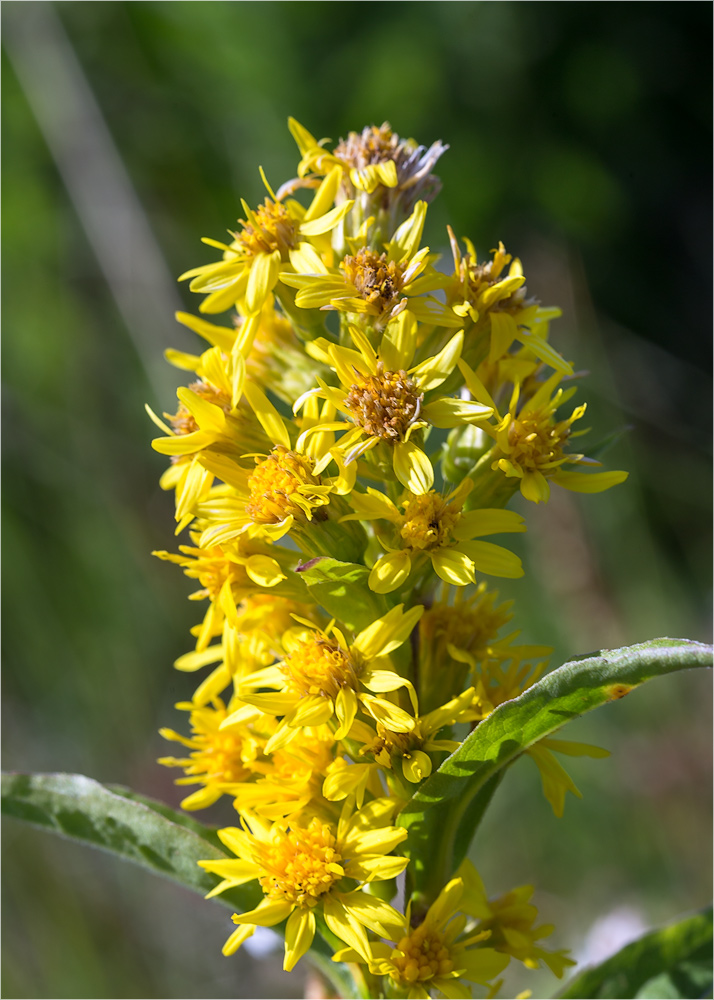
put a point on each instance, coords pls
(443, 814)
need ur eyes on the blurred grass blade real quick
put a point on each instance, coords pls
(137, 829)
(674, 961)
(102, 192)
(439, 816)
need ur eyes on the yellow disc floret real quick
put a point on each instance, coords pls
(280, 486)
(376, 279)
(385, 404)
(428, 521)
(301, 865)
(316, 666)
(271, 229)
(422, 955)
(534, 442)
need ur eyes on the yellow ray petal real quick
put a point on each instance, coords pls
(412, 467)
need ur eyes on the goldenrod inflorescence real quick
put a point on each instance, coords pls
(345, 442)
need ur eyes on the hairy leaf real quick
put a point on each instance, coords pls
(135, 828)
(439, 816)
(149, 833)
(674, 961)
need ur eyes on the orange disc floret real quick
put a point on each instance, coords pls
(375, 278)
(385, 404)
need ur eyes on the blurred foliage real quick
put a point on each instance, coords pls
(579, 135)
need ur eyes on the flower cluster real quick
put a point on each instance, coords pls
(346, 442)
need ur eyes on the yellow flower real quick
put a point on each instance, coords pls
(377, 285)
(498, 307)
(385, 400)
(510, 919)
(305, 868)
(271, 236)
(287, 782)
(504, 675)
(440, 953)
(530, 442)
(373, 158)
(471, 623)
(250, 638)
(323, 676)
(212, 416)
(406, 754)
(220, 758)
(227, 573)
(506, 672)
(284, 489)
(435, 528)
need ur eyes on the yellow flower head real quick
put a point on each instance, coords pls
(498, 308)
(390, 403)
(289, 781)
(324, 677)
(220, 758)
(271, 235)
(250, 639)
(212, 417)
(404, 754)
(303, 868)
(374, 283)
(228, 573)
(468, 623)
(439, 953)
(375, 157)
(436, 528)
(510, 919)
(530, 441)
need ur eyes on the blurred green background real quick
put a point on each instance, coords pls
(580, 136)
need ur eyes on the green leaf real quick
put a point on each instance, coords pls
(135, 828)
(342, 589)
(441, 816)
(150, 834)
(674, 961)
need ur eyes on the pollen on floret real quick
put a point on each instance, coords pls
(428, 521)
(271, 229)
(377, 280)
(301, 865)
(385, 404)
(275, 487)
(421, 956)
(316, 666)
